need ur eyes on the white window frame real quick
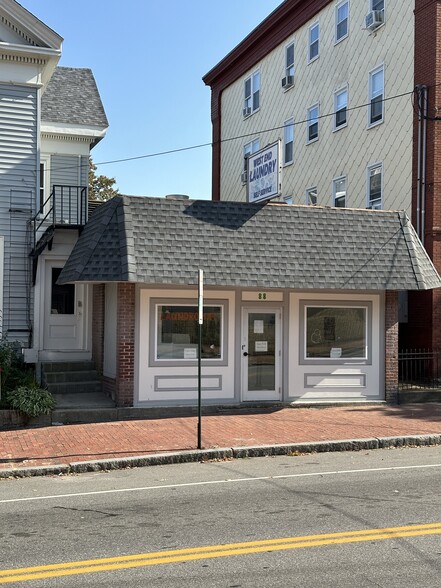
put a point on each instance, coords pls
(371, 6)
(249, 97)
(337, 22)
(334, 191)
(315, 25)
(343, 90)
(290, 66)
(248, 149)
(369, 170)
(373, 95)
(288, 138)
(310, 191)
(309, 123)
(45, 161)
(366, 306)
(174, 362)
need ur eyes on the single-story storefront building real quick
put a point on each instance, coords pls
(300, 303)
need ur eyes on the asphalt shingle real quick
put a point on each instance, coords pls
(164, 241)
(72, 97)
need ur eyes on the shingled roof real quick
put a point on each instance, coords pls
(162, 241)
(72, 97)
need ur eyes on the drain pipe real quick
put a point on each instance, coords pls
(424, 95)
(418, 186)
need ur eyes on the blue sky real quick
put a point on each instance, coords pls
(148, 59)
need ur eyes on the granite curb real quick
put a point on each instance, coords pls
(222, 453)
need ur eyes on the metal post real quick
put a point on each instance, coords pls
(200, 322)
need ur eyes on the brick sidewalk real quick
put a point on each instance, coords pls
(235, 428)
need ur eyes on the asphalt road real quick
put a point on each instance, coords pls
(368, 519)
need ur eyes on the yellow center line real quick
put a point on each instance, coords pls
(212, 551)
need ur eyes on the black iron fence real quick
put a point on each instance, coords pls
(419, 369)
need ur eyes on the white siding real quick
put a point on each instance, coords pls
(18, 173)
(347, 151)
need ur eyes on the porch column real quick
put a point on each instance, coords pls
(125, 342)
(391, 346)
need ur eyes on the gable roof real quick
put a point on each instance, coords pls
(72, 97)
(163, 241)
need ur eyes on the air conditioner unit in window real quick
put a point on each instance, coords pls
(247, 111)
(287, 82)
(374, 19)
(244, 177)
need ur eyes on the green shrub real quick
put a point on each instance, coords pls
(31, 400)
(14, 372)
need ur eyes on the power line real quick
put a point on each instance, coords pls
(227, 140)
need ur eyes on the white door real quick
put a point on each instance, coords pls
(261, 354)
(63, 310)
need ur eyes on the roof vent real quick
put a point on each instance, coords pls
(177, 197)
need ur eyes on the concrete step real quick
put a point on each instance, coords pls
(81, 402)
(67, 366)
(88, 387)
(72, 376)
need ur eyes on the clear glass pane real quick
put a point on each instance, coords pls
(335, 332)
(62, 297)
(261, 351)
(178, 334)
(312, 196)
(376, 109)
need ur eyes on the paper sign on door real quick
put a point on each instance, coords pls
(261, 346)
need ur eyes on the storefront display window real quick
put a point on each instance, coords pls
(335, 332)
(177, 332)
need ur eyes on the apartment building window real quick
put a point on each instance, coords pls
(340, 109)
(377, 5)
(289, 60)
(287, 199)
(311, 196)
(288, 142)
(339, 192)
(314, 40)
(341, 21)
(248, 149)
(376, 96)
(312, 123)
(375, 186)
(252, 94)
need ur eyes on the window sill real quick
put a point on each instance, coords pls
(336, 129)
(313, 59)
(375, 124)
(338, 41)
(288, 163)
(312, 141)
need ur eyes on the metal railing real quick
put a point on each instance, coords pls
(66, 205)
(419, 369)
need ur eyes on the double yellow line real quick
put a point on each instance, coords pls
(195, 553)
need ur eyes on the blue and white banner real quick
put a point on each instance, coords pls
(263, 174)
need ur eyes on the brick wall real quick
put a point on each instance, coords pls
(424, 327)
(125, 354)
(98, 326)
(391, 346)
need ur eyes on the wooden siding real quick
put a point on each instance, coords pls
(18, 183)
(68, 170)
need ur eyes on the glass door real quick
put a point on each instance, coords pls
(261, 355)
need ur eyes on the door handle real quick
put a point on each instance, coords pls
(245, 353)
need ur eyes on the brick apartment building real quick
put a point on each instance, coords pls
(351, 92)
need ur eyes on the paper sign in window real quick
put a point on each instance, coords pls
(258, 327)
(190, 353)
(261, 346)
(335, 352)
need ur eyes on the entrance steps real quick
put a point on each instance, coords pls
(75, 384)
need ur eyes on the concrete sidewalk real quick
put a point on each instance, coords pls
(226, 434)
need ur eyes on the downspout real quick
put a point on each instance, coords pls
(424, 93)
(418, 186)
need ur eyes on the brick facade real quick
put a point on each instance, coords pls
(125, 353)
(98, 326)
(424, 327)
(391, 346)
